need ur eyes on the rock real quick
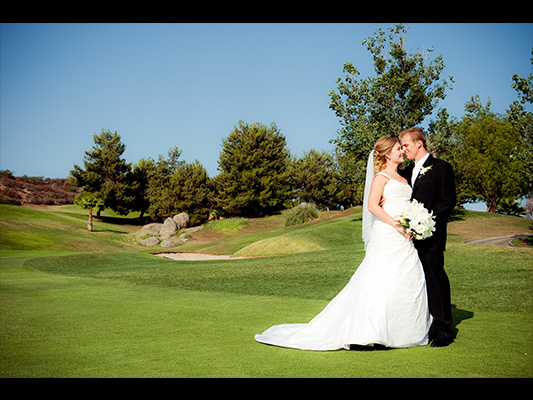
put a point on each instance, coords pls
(172, 241)
(141, 233)
(194, 229)
(168, 229)
(165, 232)
(181, 220)
(152, 228)
(151, 241)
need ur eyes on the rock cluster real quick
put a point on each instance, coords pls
(163, 233)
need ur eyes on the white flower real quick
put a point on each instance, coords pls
(417, 220)
(424, 170)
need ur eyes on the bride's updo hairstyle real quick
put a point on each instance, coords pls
(383, 147)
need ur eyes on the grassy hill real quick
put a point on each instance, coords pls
(80, 304)
(63, 228)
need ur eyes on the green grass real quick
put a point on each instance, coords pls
(65, 228)
(75, 304)
(227, 227)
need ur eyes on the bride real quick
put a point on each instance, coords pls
(385, 301)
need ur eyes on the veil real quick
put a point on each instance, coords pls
(368, 217)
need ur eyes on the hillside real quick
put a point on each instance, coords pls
(63, 228)
(268, 236)
(479, 225)
(57, 228)
(35, 190)
(228, 236)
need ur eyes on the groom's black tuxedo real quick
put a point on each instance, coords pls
(435, 188)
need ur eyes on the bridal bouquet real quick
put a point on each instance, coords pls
(417, 220)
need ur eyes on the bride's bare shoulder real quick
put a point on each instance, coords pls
(382, 176)
(380, 180)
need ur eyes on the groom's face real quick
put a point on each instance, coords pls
(409, 147)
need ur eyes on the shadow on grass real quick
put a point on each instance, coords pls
(123, 220)
(458, 214)
(458, 316)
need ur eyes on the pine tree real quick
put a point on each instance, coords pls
(176, 186)
(314, 179)
(254, 178)
(104, 172)
(138, 186)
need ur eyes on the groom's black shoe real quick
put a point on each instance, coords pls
(440, 343)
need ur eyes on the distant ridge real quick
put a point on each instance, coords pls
(35, 190)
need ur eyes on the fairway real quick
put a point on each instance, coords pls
(73, 309)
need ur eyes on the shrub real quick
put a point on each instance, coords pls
(300, 214)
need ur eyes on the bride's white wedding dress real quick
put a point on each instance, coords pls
(385, 301)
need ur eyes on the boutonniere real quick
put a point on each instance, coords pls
(424, 170)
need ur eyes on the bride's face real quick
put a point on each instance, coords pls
(396, 154)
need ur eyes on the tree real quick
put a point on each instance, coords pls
(88, 201)
(194, 192)
(175, 186)
(523, 121)
(443, 142)
(254, 178)
(137, 188)
(486, 144)
(314, 180)
(104, 172)
(349, 190)
(405, 89)
(159, 191)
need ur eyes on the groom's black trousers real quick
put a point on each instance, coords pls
(438, 289)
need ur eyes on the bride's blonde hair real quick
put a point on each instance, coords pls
(383, 147)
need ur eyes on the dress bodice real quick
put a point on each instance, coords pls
(396, 195)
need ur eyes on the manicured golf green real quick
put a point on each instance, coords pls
(80, 304)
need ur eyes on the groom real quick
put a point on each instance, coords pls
(433, 185)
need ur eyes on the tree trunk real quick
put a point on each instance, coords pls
(491, 207)
(90, 223)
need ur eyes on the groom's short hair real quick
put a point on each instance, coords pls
(416, 134)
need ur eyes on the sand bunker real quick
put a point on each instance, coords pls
(196, 256)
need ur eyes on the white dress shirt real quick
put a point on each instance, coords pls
(417, 168)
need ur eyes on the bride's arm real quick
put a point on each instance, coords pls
(374, 198)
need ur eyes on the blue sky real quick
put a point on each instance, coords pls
(187, 85)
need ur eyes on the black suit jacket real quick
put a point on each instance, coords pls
(436, 190)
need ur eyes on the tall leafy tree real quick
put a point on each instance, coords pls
(443, 142)
(486, 143)
(104, 172)
(522, 119)
(253, 165)
(405, 89)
